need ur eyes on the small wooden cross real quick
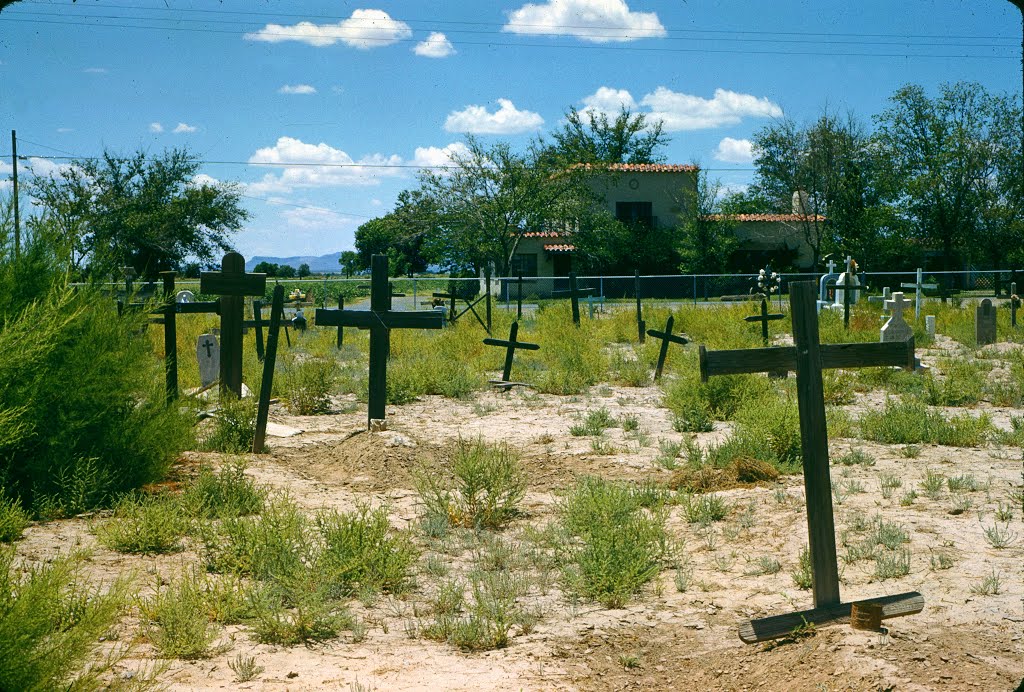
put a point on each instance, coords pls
(574, 295)
(511, 345)
(1014, 304)
(380, 320)
(231, 283)
(764, 318)
(919, 286)
(848, 290)
(666, 337)
(808, 357)
(641, 326)
(267, 383)
(454, 315)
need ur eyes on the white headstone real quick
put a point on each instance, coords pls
(846, 279)
(896, 329)
(208, 354)
(929, 324)
(185, 296)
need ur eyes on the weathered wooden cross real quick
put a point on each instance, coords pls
(1014, 304)
(848, 290)
(574, 296)
(919, 286)
(764, 318)
(510, 347)
(666, 337)
(267, 383)
(641, 326)
(231, 284)
(168, 313)
(808, 357)
(454, 315)
(380, 320)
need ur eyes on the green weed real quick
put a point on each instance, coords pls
(228, 492)
(145, 524)
(362, 551)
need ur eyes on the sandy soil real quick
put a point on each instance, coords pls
(666, 638)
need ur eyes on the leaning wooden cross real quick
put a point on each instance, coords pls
(574, 296)
(454, 314)
(232, 284)
(510, 347)
(380, 320)
(808, 357)
(666, 337)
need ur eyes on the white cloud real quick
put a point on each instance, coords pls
(184, 128)
(201, 179)
(95, 70)
(436, 45)
(598, 21)
(608, 100)
(156, 127)
(433, 157)
(507, 120)
(365, 29)
(44, 167)
(735, 150)
(687, 112)
(300, 89)
(313, 218)
(6, 185)
(321, 166)
(65, 130)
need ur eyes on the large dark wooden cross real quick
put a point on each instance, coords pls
(574, 296)
(764, 318)
(808, 357)
(232, 284)
(666, 337)
(380, 320)
(510, 347)
(641, 326)
(267, 383)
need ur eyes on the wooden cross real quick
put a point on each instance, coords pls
(848, 289)
(519, 297)
(574, 295)
(919, 287)
(231, 284)
(641, 326)
(267, 383)
(453, 315)
(380, 320)
(510, 350)
(808, 357)
(764, 318)
(666, 337)
(1014, 304)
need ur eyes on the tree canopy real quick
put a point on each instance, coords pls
(148, 212)
(591, 137)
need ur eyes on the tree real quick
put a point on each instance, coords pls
(285, 271)
(268, 268)
(943, 159)
(706, 235)
(150, 213)
(491, 196)
(304, 270)
(590, 137)
(400, 234)
(349, 262)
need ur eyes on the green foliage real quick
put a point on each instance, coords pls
(234, 426)
(802, 574)
(911, 422)
(13, 518)
(50, 625)
(594, 423)
(144, 524)
(178, 619)
(224, 493)
(271, 546)
(488, 485)
(361, 551)
(295, 609)
(83, 415)
(963, 384)
(619, 546)
(400, 234)
(308, 383)
(573, 357)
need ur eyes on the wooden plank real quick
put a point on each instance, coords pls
(518, 344)
(257, 318)
(739, 361)
(814, 445)
(210, 306)
(868, 355)
(224, 283)
(170, 339)
(329, 317)
(270, 358)
(231, 313)
(777, 626)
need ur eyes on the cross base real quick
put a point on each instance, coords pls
(777, 626)
(378, 425)
(504, 384)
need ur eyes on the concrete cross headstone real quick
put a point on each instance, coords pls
(896, 329)
(985, 323)
(208, 354)
(808, 357)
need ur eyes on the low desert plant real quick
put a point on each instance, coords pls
(802, 575)
(892, 564)
(272, 545)
(13, 518)
(228, 492)
(145, 524)
(308, 384)
(911, 422)
(362, 551)
(245, 668)
(178, 619)
(990, 585)
(234, 426)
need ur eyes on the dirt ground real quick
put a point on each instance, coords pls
(666, 638)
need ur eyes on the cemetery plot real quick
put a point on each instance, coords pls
(922, 494)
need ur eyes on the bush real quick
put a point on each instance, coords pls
(489, 484)
(361, 551)
(225, 493)
(308, 384)
(84, 416)
(911, 422)
(179, 621)
(145, 524)
(234, 427)
(573, 356)
(50, 625)
(273, 545)
(13, 519)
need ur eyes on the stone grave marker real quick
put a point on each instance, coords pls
(666, 337)
(808, 357)
(208, 354)
(896, 329)
(985, 323)
(929, 324)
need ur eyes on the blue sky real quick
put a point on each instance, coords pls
(394, 84)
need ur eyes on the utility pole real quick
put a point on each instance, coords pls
(1019, 4)
(17, 218)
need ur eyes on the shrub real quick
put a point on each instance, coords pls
(84, 416)
(224, 493)
(178, 619)
(911, 422)
(296, 610)
(145, 524)
(13, 518)
(270, 546)
(308, 383)
(50, 624)
(489, 483)
(573, 356)
(361, 551)
(234, 427)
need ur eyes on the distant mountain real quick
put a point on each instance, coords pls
(317, 265)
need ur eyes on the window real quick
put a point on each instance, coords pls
(635, 212)
(524, 264)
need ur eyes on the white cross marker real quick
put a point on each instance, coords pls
(918, 287)
(897, 305)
